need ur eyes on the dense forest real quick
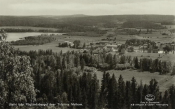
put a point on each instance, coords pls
(141, 24)
(137, 42)
(35, 40)
(48, 77)
(16, 30)
(80, 22)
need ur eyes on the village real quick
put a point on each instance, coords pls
(129, 46)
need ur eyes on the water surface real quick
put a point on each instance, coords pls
(17, 36)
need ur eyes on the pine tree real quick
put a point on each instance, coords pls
(133, 90)
(84, 45)
(153, 87)
(128, 96)
(64, 63)
(64, 97)
(82, 63)
(136, 63)
(94, 92)
(38, 79)
(112, 88)
(58, 82)
(115, 59)
(145, 91)
(103, 91)
(173, 71)
(48, 84)
(84, 99)
(172, 96)
(121, 92)
(138, 94)
(166, 97)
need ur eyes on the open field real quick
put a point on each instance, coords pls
(164, 80)
(81, 38)
(59, 38)
(157, 37)
(47, 46)
(170, 26)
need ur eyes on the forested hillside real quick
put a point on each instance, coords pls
(68, 21)
(48, 77)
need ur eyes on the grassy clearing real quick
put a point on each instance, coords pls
(47, 46)
(157, 37)
(81, 38)
(164, 80)
(170, 26)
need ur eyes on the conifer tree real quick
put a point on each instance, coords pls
(136, 63)
(172, 96)
(121, 91)
(82, 63)
(112, 88)
(103, 91)
(145, 91)
(133, 89)
(94, 92)
(128, 96)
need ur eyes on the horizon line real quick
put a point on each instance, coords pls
(90, 15)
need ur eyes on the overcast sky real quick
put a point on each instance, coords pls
(88, 7)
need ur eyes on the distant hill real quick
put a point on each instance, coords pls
(81, 20)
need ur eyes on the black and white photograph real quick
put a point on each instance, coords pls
(87, 54)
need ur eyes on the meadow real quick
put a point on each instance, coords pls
(59, 39)
(164, 80)
(52, 46)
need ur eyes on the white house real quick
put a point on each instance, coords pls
(70, 43)
(160, 52)
(111, 47)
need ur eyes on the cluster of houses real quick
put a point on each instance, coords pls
(106, 45)
(145, 48)
(112, 46)
(69, 43)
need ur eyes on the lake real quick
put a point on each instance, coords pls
(17, 36)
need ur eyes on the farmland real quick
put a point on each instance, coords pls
(52, 46)
(155, 36)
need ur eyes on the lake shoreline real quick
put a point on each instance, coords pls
(16, 36)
